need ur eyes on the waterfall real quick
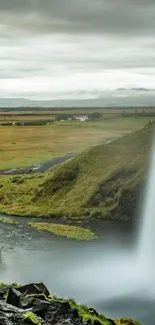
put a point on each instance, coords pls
(146, 242)
(118, 271)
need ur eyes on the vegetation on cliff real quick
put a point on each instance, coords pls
(103, 182)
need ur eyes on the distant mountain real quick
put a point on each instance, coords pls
(135, 89)
(121, 97)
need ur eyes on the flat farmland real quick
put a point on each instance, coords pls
(49, 115)
(26, 145)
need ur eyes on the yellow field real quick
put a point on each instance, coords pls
(18, 118)
(22, 146)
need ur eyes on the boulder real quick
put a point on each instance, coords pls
(13, 297)
(93, 312)
(57, 308)
(2, 294)
(41, 308)
(29, 305)
(97, 322)
(43, 288)
(110, 321)
(11, 315)
(127, 321)
(33, 288)
(30, 301)
(46, 313)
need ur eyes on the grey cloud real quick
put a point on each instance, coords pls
(72, 55)
(102, 16)
(68, 46)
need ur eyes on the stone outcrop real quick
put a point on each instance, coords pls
(30, 305)
(13, 297)
(34, 288)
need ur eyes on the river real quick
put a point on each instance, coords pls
(65, 266)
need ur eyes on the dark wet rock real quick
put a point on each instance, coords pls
(57, 308)
(67, 321)
(14, 297)
(30, 301)
(127, 321)
(29, 305)
(96, 322)
(46, 313)
(111, 322)
(43, 289)
(2, 294)
(93, 312)
(41, 308)
(34, 288)
(11, 315)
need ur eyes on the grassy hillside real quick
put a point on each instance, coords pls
(104, 181)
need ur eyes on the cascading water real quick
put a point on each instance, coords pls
(146, 243)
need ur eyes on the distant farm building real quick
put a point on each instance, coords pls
(81, 119)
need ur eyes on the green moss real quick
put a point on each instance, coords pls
(72, 232)
(9, 221)
(126, 321)
(32, 317)
(84, 311)
(4, 286)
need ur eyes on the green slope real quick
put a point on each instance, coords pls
(102, 182)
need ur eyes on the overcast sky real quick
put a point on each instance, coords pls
(75, 48)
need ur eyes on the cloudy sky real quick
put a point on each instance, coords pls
(52, 49)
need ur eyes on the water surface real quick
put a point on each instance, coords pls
(87, 271)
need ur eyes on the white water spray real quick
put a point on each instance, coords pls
(146, 243)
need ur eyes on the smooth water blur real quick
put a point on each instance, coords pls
(146, 244)
(104, 274)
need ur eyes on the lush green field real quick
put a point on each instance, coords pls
(101, 182)
(25, 145)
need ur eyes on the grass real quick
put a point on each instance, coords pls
(29, 316)
(26, 145)
(102, 182)
(71, 232)
(87, 316)
(126, 321)
(9, 221)
(4, 286)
